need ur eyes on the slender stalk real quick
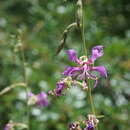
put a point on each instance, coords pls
(9, 88)
(85, 52)
(91, 100)
(24, 79)
(83, 32)
(64, 37)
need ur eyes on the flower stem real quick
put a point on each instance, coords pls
(24, 78)
(82, 31)
(9, 88)
(85, 52)
(91, 100)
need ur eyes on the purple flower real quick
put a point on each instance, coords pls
(69, 71)
(84, 68)
(8, 126)
(72, 55)
(101, 70)
(97, 52)
(89, 126)
(60, 87)
(40, 99)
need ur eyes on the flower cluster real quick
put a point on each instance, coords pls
(79, 75)
(82, 72)
(90, 123)
(39, 99)
(85, 67)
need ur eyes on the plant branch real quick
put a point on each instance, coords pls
(9, 88)
(64, 37)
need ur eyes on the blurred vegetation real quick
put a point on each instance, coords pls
(42, 24)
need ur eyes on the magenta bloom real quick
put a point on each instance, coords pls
(97, 52)
(84, 68)
(40, 99)
(90, 126)
(60, 87)
(72, 55)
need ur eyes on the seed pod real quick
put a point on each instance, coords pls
(79, 14)
(64, 37)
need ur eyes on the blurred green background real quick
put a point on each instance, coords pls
(42, 22)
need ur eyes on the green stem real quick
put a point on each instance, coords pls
(25, 80)
(91, 100)
(85, 51)
(9, 88)
(82, 31)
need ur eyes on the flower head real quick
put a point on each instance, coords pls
(97, 52)
(85, 66)
(60, 87)
(42, 99)
(39, 99)
(91, 122)
(72, 55)
(90, 126)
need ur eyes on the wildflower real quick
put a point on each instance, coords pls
(91, 122)
(8, 126)
(74, 126)
(90, 126)
(97, 52)
(40, 99)
(85, 66)
(65, 84)
(93, 119)
(60, 87)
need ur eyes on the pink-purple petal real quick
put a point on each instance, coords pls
(72, 55)
(89, 126)
(71, 71)
(60, 87)
(42, 99)
(96, 83)
(97, 52)
(101, 70)
(68, 71)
